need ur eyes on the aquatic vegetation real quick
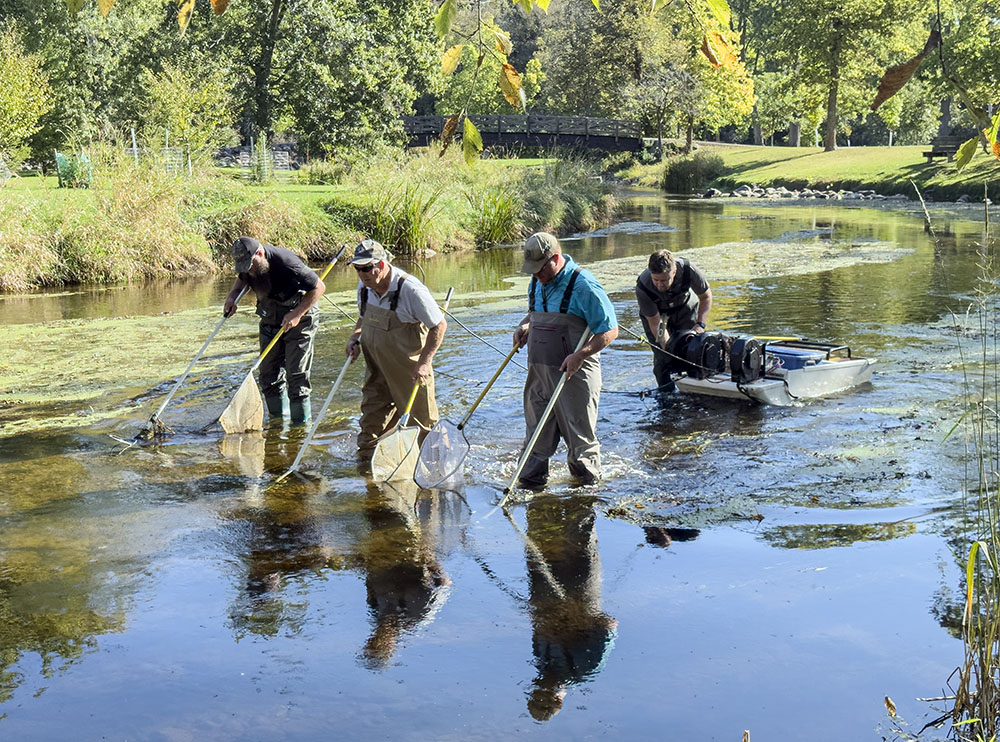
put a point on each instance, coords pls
(976, 710)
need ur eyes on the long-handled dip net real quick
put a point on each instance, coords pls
(445, 447)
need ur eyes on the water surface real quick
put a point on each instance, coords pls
(740, 567)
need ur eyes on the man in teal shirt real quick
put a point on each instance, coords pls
(564, 302)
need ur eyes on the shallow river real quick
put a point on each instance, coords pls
(778, 570)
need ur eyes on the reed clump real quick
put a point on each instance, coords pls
(28, 251)
(567, 196)
(497, 213)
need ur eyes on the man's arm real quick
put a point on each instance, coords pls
(434, 337)
(659, 333)
(596, 344)
(521, 332)
(230, 306)
(307, 302)
(704, 305)
(354, 341)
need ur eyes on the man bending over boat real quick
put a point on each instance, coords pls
(564, 301)
(674, 298)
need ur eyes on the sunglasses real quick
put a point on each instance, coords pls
(365, 268)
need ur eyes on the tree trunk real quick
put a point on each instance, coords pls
(944, 127)
(262, 67)
(659, 136)
(830, 137)
(758, 135)
(690, 135)
(795, 134)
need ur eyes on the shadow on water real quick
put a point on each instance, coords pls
(741, 546)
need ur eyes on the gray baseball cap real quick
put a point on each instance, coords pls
(538, 249)
(370, 251)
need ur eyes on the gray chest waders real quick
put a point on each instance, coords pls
(551, 337)
(285, 371)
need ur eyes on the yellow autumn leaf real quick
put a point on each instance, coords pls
(510, 85)
(472, 142)
(717, 51)
(219, 6)
(449, 60)
(184, 10)
(105, 6)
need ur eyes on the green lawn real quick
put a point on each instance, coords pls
(883, 169)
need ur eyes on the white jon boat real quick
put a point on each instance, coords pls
(793, 371)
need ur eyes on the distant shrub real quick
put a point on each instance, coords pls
(323, 172)
(691, 173)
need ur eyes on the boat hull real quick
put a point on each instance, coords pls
(787, 386)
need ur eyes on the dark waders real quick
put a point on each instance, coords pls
(284, 372)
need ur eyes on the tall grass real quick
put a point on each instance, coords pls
(496, 215)
(139, 221)
(567, 196)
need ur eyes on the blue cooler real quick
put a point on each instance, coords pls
(793, 358)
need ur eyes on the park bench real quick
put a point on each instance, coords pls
(944, 146)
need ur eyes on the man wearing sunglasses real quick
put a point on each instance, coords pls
(564, 301)
(399, 329)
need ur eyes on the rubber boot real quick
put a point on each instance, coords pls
(535, 474)
(277, 406)
(301, 410)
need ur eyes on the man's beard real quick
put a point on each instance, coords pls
(260, 267)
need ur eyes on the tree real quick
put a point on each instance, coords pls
(343, 71)
(592, 57)
(193, 103)
(843, 45)
(25, 95)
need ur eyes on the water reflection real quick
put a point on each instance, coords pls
(571, 634)
(404, 582)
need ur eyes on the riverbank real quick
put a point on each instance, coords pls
(139, 223)
(885, 170)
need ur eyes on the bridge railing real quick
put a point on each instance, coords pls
(531, 124)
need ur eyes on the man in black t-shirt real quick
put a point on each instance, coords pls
(674, 297)
(287, 291)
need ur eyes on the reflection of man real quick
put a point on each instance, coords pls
(404, 581)
(571, 635)
(674, 297)
(402, 327)
(277, 541)
(564, 301)
(287, 291)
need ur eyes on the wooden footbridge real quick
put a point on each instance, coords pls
(536, 130)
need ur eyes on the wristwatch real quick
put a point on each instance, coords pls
(701, 325)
